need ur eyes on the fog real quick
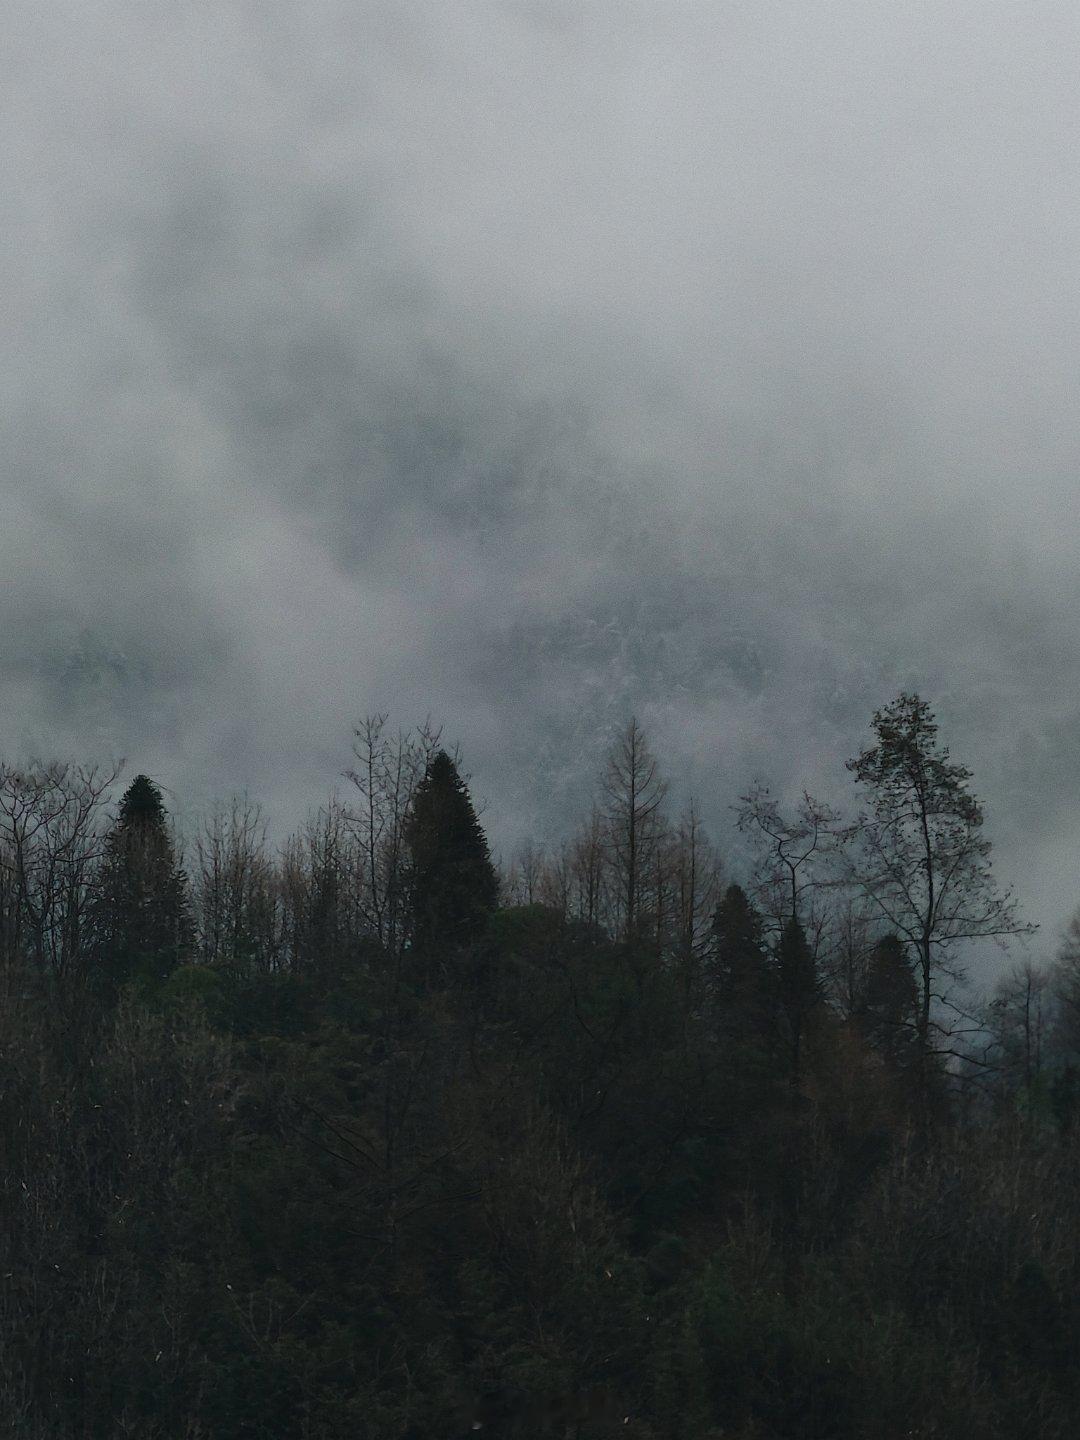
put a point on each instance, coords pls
(530, 365)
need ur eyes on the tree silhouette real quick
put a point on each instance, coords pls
(798, 990)
(453, 885)
(634, 795)
(144, 925)
(889, 1002)
(921, 856)
(740, 975)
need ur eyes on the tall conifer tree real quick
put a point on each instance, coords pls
(144, 926)
(742, 981)
(453, 884)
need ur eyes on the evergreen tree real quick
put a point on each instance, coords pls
(453, 885)
(144, 925)
(890, 1002)
(742, 981)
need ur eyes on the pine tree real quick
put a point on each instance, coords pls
(738, 962)
(144, 926)
(453, 885)
(742, 983)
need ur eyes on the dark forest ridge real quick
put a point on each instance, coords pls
(365, 1138)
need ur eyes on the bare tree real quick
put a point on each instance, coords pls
(318, 867)
(557, 880)
(525, 881)
(633, 824)
(696, 877)
(234, 888)
(1018, 1019)
(588, 864)
(795, 857)
(385, 774)
(1065, 985)
(51, 844)
(847, 958)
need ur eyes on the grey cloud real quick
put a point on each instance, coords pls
(531, 364)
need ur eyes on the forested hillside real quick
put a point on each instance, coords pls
(362, 1136)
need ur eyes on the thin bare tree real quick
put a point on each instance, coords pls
(633, 799)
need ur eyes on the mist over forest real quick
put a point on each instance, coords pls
(567, 508)
(534, 365)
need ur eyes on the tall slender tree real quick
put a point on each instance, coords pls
(634, 793)
(1018, 1019)
(234, 889)
(144, 923)
(388, 767)
(740, 975)
(921, 856)
(453, 886)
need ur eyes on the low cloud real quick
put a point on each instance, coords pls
(535, 364)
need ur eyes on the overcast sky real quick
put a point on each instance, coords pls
(536, 362)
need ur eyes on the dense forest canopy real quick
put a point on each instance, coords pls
(366, 1135)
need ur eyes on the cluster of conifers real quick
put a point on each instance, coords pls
(362, 1137)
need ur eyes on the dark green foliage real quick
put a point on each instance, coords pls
(615, 1185)
(453, 885)
(742, 980)
(141, 807)
(265, 1206)
(143, 926)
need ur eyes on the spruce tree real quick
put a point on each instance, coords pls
(741, 978)
(453, 885)
(144, 925)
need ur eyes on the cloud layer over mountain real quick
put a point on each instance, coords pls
(533, 363)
